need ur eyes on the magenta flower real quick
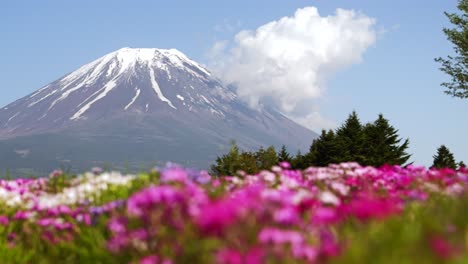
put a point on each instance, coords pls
(152, 259)
(325, 215)
(286, 216)
(229, 256)
(118, 225)
(278, 236)
(22, 215)
(174, 174)
(367, 208)
(144, 200)
(4, 220)
(443, 248)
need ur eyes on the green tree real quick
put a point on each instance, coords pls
(382, 144)
(444, 158)
(229, 163)
(266, 158)
(283, 155)
(298, 162)
(350, 140)
(456, 66)
(248, 162)
(323, 150)
(461, 164)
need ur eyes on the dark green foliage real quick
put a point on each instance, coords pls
(266, 158)
(350, 140)
(382, 145)
(228, 164)
(444, 159)
(373, 144)
(299, 161)
(249, 162)
(456, 66)
(283, 155)
(461, 164)
(323, 150)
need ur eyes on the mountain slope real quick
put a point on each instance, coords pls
(169, 106)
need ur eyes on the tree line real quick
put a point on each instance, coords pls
(374, 144)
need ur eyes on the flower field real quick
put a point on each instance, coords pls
(338, 214)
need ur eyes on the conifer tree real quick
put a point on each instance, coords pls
(283, 155)
(323, 150)
(350, 140)
(248, 162)
(382, 145)
(266, 158)
(228, 164)
(444, 158)
(461, 164)
(298, 162)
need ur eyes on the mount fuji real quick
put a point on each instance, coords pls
(131, 108)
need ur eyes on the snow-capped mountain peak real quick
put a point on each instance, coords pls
(135, 72)
(149, 100)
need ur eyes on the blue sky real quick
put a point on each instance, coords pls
(43, 40)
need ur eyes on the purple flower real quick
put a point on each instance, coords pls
(22, 215)
(118, 225)
(139, 234)
(4, 221)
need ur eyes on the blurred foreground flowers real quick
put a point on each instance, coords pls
(338, 214)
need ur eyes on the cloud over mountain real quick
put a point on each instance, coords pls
(287, 61)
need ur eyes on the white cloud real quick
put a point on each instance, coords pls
(314, 121)
(287, 61)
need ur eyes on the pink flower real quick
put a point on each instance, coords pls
(442, 247)
(367, 208)
(325, 215)
(329, 247)
(144, 200)
(117, 225)
(229, 256)
(152, 259)
(22, 215)
(216, 216)
(4, 220)
(285, 165)
(139, 234)
(278, 236)
(174, 174)
(286, 216)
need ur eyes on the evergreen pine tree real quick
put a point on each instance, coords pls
(461, 164)
(283, 155)
(227, 164)
(444, 159)
(248, 162)
(350, 140)
(323, 150)
(266, 158)
(298, 161)
(382, 145)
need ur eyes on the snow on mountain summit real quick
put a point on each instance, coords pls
(137, 106)
(129, 79)
(157, 94)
